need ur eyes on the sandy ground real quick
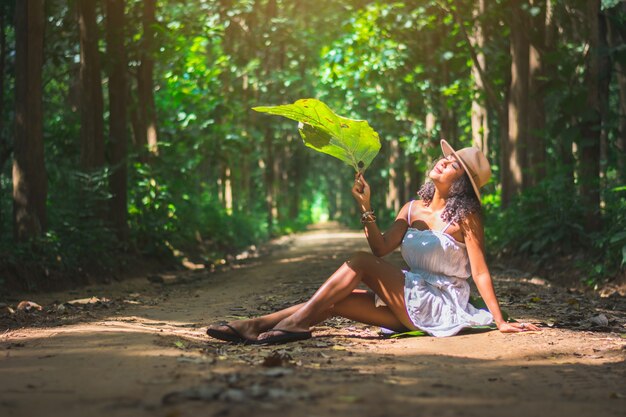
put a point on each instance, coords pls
(140, 349)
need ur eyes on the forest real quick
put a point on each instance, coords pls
(126, 129)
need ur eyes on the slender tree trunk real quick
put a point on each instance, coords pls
(270, 203)
(605, 67)
(589, 146)
(617, 38)
(448, 127)
(30, 184)
(518, 100)
(4, 145)
(506, 194)
(412, 179)
(91, 103)
(138, 136)
(5, 142)
(145, 82)
(299, 169)
(3, 52)
(246, 183)
(117, 116)
(284, 172)
(536, 148)
(392, 200)
(480, 125)
(495, 102)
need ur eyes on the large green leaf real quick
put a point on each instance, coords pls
(352, 141)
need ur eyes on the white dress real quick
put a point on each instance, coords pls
(436, 291)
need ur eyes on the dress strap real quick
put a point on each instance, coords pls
(446, 226)
(409, 215)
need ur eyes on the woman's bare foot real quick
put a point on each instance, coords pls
(246, 329)
(288, 325)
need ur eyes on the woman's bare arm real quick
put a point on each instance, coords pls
(380, 243)
(474, 236)
(384, 243)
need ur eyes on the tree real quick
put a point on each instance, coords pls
(480, 124)
(91, 102)
(597, 70)
(541, 25)
(29, 173)
(617, 40)
(145, 84)
(116, 54)
(518, 103)
(6, 10)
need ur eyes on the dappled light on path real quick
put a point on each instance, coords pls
(151, 357)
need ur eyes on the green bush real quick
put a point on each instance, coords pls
(547, 221)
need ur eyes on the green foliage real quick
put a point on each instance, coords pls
(224, 178)
(352, 141)
(547, 221)
(542, 221)
(79, 242)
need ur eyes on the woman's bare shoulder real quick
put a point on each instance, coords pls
(412, 205)
(472, 225)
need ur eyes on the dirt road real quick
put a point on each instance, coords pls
(139, 349)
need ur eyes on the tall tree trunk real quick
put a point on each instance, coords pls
(480, 122)
(4, 143)
(497, 102)
(536, 148)
(145, 82)
(591, 127)
(30, 184)
(605, 67)
(138, 136)
(446, 114)
(245, 186)
(91, 103)
(270, 200)
(283, 169)
(299, 169)
(3, 53)
(412, 179)
(392, 200)
(506, 194)
(617, 38)
(117, 116)
(518, 101)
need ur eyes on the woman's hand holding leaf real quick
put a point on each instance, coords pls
(361, 192)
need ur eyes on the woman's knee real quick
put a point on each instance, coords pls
(360, 260)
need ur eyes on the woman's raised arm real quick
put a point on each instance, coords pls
(380, 243)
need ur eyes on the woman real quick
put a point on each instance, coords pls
(441, 237)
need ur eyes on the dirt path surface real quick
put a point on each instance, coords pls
(139, 349)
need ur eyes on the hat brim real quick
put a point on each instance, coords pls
(447, 150)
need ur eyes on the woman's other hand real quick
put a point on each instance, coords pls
(361, 192)
(517, 327)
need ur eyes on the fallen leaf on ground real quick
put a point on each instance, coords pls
(277, 358)
(28, 306)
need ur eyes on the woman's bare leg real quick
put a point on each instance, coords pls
(358, 306)
(383, 278)
(251, 328)
(337, 296)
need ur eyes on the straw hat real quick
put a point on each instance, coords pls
(474, 162)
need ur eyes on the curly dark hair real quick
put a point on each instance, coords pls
(462, 200)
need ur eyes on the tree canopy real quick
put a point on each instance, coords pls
(126, 125)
